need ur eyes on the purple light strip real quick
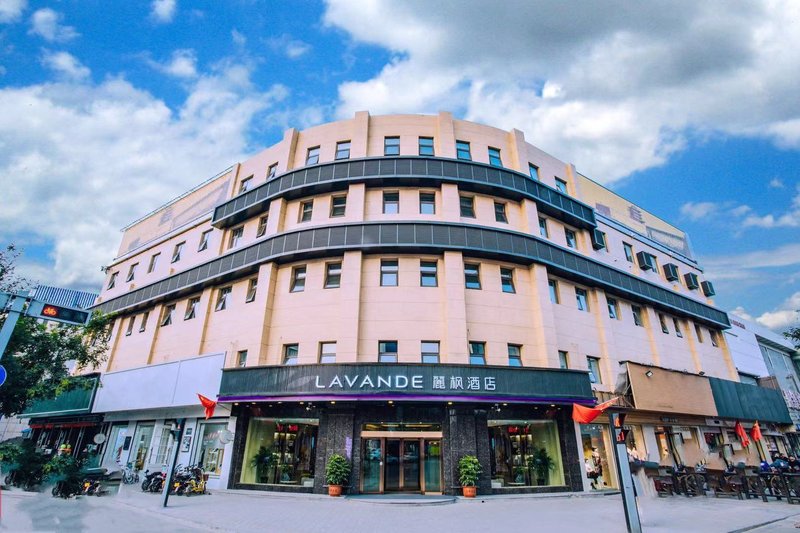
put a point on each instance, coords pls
(407, 397)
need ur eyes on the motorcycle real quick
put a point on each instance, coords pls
(153, 481)
(93, 481)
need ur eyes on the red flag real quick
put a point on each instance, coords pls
(585, 415)
(755, 432)
(208, 405)
(742, 434)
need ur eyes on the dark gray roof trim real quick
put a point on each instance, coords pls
(416, 237)
(411, 171)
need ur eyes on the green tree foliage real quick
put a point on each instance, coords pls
(793, 334)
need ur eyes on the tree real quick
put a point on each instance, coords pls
(793, 334)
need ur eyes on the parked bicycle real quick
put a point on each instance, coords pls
(129, 475)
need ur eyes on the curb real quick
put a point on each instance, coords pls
(762, 524)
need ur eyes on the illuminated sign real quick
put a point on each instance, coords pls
(58, 313)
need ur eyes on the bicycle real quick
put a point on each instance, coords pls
(129, 475)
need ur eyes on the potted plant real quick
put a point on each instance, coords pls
(263, 461)
(337, 472)
(541, 463)
(286, 470)
(469, 471)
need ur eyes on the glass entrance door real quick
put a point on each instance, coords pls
(392, 464)
(433, 465)
(372, 466)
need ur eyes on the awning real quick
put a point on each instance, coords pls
(668, 391)
(749, 402)
(72, 402)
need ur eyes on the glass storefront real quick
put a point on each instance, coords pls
(141, 445)
(116, 447)
(596, 460)
(525, 453)
(280, 451)
(210, 452)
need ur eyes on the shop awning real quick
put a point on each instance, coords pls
(749, 402)
(72, 402)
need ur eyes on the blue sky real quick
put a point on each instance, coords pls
(108, 108)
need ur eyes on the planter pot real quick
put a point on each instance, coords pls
(470, 492)
(334, 490)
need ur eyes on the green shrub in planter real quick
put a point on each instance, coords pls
(469, 471)
(337, 472)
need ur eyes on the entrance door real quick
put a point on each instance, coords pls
(401, 465)
(402, 468)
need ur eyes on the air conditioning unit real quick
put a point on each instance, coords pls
(691, 280)
(646, 261)
(671, 272)
(598, 239)
(708, 288)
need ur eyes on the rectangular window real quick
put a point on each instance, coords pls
(312, 156)
(494, 157)
(244, 186)
(176, 253)
(387, 351)
(338, 206)
(582, 299)
(191, 308)
(563, 359)
(241, 358)
(699, 333)
(236, 236)
(677, 325)
(507, 280)
(427, 203)
(272, 171)
(467, 204)
(594, 369)
(391, 146)
(628, 252)
(561, 185)
(153, 262)
(477, 353)
(327, 352)
(391, 203)
(613, 308)
(472, 276)
(514, 355)
(262, 226)
(533, 170)
(500, 212)
(428, 274)
(222, 298)
(306, 210)
(637, 315)
(553, 284)
(426, 146)
(572, 239)
(333, 275)
(714, 339)
(298, 279)
(166, 317)
(252, 289)
(131, 272)
(129, 330)
(662, 320)
(343, 150)
(543, 228)
(290, 354)
(389, 271)
(430, 352)
(204, 238)
(143, 323)
(462, 151)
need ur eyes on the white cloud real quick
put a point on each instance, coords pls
(291, 48)
(46, 23)
(116, 152)
(238, 37)
(163, 11)
(776, 183)
(740, 311)
(11, 10)
(789, 219)
(612, 88)
(787, 314)
(698, 210)
(65, 65)
(182, 64)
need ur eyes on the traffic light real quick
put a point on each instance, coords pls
(57, 313)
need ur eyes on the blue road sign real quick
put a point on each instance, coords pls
(3, 375)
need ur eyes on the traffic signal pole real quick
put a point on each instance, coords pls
(624, 473)
(14, 312)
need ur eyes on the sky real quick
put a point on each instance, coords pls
(108, 108)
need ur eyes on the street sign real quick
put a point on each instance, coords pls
(3, 375)
(58, 313)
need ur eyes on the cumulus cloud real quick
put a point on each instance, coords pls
(163, 11)
(775, 183)
(611, 86)
(11, 10)
(238, 37)
(182, 64)
(788, 219)
(698, 210)
(290, 47)
(65, 65)
(46, 23)
(787, 314)
(752, 265)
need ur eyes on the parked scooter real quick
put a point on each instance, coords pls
(153, 481)
(93, 481)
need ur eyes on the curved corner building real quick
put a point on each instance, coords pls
(403, 290)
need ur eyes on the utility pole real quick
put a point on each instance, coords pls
(173, 461)
(14, 312)
(624, 473)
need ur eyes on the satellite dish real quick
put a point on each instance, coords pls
(225, 436)
(99, 438)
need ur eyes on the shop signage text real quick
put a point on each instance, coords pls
(401, 381)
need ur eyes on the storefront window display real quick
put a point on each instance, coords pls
(596, 460)
(116, 446)
(280, 451)
(141, 445)
(525, 453)
(211, 450)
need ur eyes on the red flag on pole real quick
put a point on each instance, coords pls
(585, 415)
(755, 432)
(742, 434)
(208, 405)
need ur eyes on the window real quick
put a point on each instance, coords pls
(312, 156)
(112, 280)
(572, 239)
(748, 379)
(252, 289)
(426, 146)
(176, 253)
(143, 323)
(129, 330)
(222, 298)
(462, 151)
(387, 351)
(427, 274)
(262, 226)
(338, 206)
(430, 352)
(204, 238)
(272, 171)
(306, 209)
(427, 203)
(391, 203)
(391, 146)
(472, 276)
(244, 186)
(241, 358)
(500, 212)
(467, 206)
(699, 333)
(563, 359)
(637, 315)
(389, 272)
(613, 308)
(553, 284)
(507, 280)
(131, 272)
(166, 317)
(713, 335)
(153, 262)
(594, 369)
(236, 236)
(533, 170)
(298, 279)
(494, 157)
(543, 228)
(343, 150)
(327, 352)
(582, 299)
(628, 252)
(333, 275)
(191, 308)
(290, 354)
(677, 326)
(663, 321)
(561, 185)
(514, 355)
(477, 353)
